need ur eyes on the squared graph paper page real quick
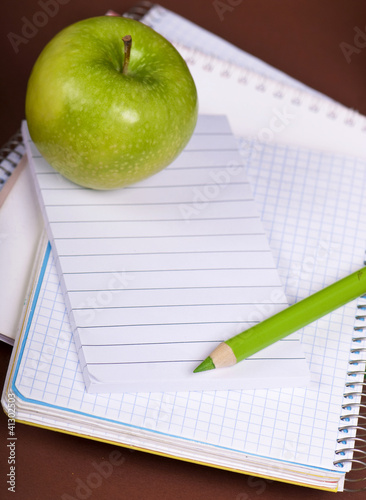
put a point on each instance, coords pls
(291, 425)
(157, 274)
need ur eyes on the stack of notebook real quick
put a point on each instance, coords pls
(303, 157)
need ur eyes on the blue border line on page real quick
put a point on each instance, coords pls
(41, 403)
(30, 317)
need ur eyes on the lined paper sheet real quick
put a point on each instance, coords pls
(157, 274)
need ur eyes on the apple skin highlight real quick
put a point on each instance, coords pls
(97, 126)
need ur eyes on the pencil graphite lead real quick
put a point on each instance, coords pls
(207, 364)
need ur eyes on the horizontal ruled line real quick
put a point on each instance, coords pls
(155, 306)
(150, 220)
(196, 323)
(158, 236)
(118, 204)
(174, 168)
(188, 361)
(164, 186)
(154, 343)
(177, 270)
(198, 252)
(180, 288)
(197, 132)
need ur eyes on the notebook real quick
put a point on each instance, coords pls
(10, 155)
(299, 435)
(21, 227)
(156, 275)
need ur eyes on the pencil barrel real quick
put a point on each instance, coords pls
(295, 317)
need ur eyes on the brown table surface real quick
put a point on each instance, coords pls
(304, 39)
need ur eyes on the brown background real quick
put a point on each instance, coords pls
(300, 37)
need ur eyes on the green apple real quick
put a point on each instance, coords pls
(106, 113)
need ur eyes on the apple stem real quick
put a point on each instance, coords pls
(127, 40)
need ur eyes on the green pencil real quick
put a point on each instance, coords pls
(285, 322)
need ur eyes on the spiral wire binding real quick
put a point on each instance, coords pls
(139, 10)
(10, 155)
(352, 437)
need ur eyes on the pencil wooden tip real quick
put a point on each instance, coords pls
(207, 364)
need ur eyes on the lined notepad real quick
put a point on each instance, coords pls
(157, 274)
